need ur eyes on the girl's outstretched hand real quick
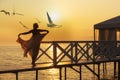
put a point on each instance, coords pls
(19, 35)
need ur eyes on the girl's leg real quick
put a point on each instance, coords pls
(34, 56)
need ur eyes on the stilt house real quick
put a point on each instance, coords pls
(107, 33)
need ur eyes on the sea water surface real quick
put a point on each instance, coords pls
(12, 55)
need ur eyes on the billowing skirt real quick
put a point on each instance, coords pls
(31, 46)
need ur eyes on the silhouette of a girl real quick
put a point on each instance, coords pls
(32, 46)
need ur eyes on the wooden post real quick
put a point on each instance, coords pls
(98, 71)
(114, 69)
(72, 51)
(94, 43)
(94, 69)
(60, 73)
(36, 74)
(87, 52)
(80, 72)
(76, 60)
(54, 54)
(94, 35)
(65, 73)
(104, 70)
(16, 75)
(119, 70)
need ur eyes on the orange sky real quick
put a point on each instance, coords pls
(77, 17)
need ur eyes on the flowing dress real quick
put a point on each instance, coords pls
(31, 46)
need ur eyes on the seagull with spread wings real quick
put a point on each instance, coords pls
(14, 13)
(51, 24)
(23, 25)
(6, 12)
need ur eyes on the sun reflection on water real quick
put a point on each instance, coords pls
(53, 71)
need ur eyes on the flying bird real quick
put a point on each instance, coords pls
(6, 12)
(14, 13)
(23, 25)
(51, 24)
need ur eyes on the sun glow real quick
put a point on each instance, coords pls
(55, 16)
(77, 17)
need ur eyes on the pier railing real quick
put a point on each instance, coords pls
(78, 51)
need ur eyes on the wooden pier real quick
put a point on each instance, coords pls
(70, 54)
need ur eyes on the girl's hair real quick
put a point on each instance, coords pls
(35, 25)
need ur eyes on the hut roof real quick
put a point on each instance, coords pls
(113, 23)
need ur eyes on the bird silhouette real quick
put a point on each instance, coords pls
(14, 13)
(23, 25)
(51, 24)
(6, 12)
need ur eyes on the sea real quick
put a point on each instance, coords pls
(12, 55)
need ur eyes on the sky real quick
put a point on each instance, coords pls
(77, 18)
